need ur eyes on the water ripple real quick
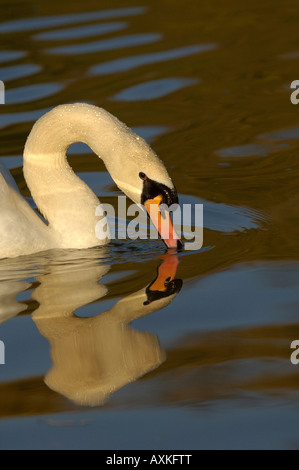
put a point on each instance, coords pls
(18, 71)
(153, 89)
(284, 134)
(106, 44)
(81, 31)
(225, 217)
(26, 116)
(129, 63)
(41, 22)
(247, 150)
(8, 56)
(290, 55)
(31, 92)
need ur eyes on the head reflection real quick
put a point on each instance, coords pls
(93, 357)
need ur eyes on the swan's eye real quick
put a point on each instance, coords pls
(142, 175)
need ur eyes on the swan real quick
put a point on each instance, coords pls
(68, 204)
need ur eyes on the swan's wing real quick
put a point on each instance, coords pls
(21, 230)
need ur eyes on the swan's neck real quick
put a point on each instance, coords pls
(62, 197)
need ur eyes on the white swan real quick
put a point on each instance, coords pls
(64, 200)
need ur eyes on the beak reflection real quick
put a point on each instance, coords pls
(165, 283)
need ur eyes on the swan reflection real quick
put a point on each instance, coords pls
(93, 357)
(9, 306)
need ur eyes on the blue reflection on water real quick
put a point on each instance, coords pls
(81, 31)
(153, 89)
(32, 92)
(245, 151)
(129, 63)
(7, 56)
(18, 71)
(40, 22)
(25, 116)
(107, 44)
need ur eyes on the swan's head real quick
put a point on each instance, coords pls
(133, 165)
(141, 175)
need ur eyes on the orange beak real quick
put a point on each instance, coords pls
(166, 273)
(162, 222)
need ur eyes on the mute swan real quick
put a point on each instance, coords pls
(64, 200)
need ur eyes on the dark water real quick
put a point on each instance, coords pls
(87, 364)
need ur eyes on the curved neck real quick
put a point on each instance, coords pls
(62, 197)
(66, 124)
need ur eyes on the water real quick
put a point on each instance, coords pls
(94, 358)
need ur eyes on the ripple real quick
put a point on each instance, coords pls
(245, 151)
(225, 217)
(41, 22)
(106, 44)
(284, 134)
(26, 116)
(18, 71)
(31, 92)
(290, 55)
(81, 31)
(8, 56)
(129, 63)
(153, 89)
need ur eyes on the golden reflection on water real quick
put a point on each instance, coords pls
(227, 132)
(94, 357)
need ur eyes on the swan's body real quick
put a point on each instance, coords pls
(65, 201)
